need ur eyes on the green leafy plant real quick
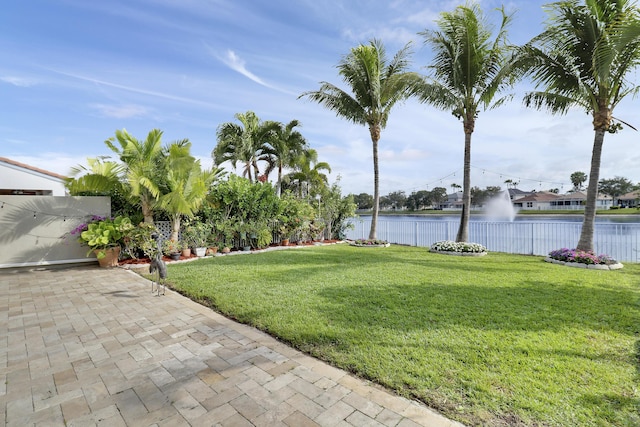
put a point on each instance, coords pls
(139, 239)
(196, 233)
(171, 247)
(104, 234)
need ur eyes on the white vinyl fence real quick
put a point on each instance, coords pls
(620, 241)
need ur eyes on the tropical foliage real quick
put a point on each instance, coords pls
(584, 59)
(285, 147)
(308, 179)
(468, 73)
(376, 85)
(245, 143)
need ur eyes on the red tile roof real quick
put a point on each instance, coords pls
(32, 168)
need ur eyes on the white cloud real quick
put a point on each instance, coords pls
(120, 111)
(236, 63)
(19, 81)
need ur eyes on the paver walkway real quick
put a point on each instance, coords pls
(89, 346)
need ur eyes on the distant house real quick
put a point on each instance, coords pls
(630, 200)
(453, 202)
(516, 194)
(577, 200)
(20, 179)
(541, 200)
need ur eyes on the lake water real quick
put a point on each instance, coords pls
(617, 236)
(611, 219)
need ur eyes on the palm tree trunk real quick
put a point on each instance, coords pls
(279, 183)
(375, 137)
(463, 230)
(147, 210)
(586, 235)
(175, 228)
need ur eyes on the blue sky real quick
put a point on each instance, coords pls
(75, 71)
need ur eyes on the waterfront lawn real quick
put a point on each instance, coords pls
(496, 340)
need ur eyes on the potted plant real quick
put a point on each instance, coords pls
(227, 229)
(196, 233)
(172, 248)
(185, 248)
(139, 241)
(105, 237)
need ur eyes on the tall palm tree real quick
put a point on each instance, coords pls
(584, 59)
(284, 147)
(188, 185)
(469, 70)
(377, 84)
(308, 178)
(244, 143)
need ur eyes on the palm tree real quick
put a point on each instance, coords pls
(139, 175)
(188, 185)
(100, 176)
(469, 71)
(243, 143)
(583, 58)
(143, 161)
(284, 147)
(308, 178)
(377, 85)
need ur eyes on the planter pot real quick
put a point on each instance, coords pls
(246, 248)
(186, 252)
(111, 257)
(284, 242)
(226, 250)
(212, 250)
(175, 256)
(201, 252)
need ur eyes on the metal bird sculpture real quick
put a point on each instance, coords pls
(158, 266)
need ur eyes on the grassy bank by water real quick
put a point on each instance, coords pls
(495, 340)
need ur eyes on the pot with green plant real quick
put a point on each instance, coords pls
(261, 234)
(105, 237)
(172, 249)
(139, 241)
(227, 229)
(196, 234)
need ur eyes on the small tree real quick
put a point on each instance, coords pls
(615, 187)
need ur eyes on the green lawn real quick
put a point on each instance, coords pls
(495, 340)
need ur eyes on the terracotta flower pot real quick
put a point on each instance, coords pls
(110, 258)
(284, 242)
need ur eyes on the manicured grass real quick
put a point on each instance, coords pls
(496, 340)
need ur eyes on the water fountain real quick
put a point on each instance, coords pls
(500, 208)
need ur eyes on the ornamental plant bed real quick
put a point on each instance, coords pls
(448, 247)
(582, 259)
(370, 243)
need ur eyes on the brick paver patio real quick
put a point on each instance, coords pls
(88, 346)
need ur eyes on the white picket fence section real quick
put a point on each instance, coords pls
(620, 241)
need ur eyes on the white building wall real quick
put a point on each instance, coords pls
(14, 177)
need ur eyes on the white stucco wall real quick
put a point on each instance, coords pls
(16, 177)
